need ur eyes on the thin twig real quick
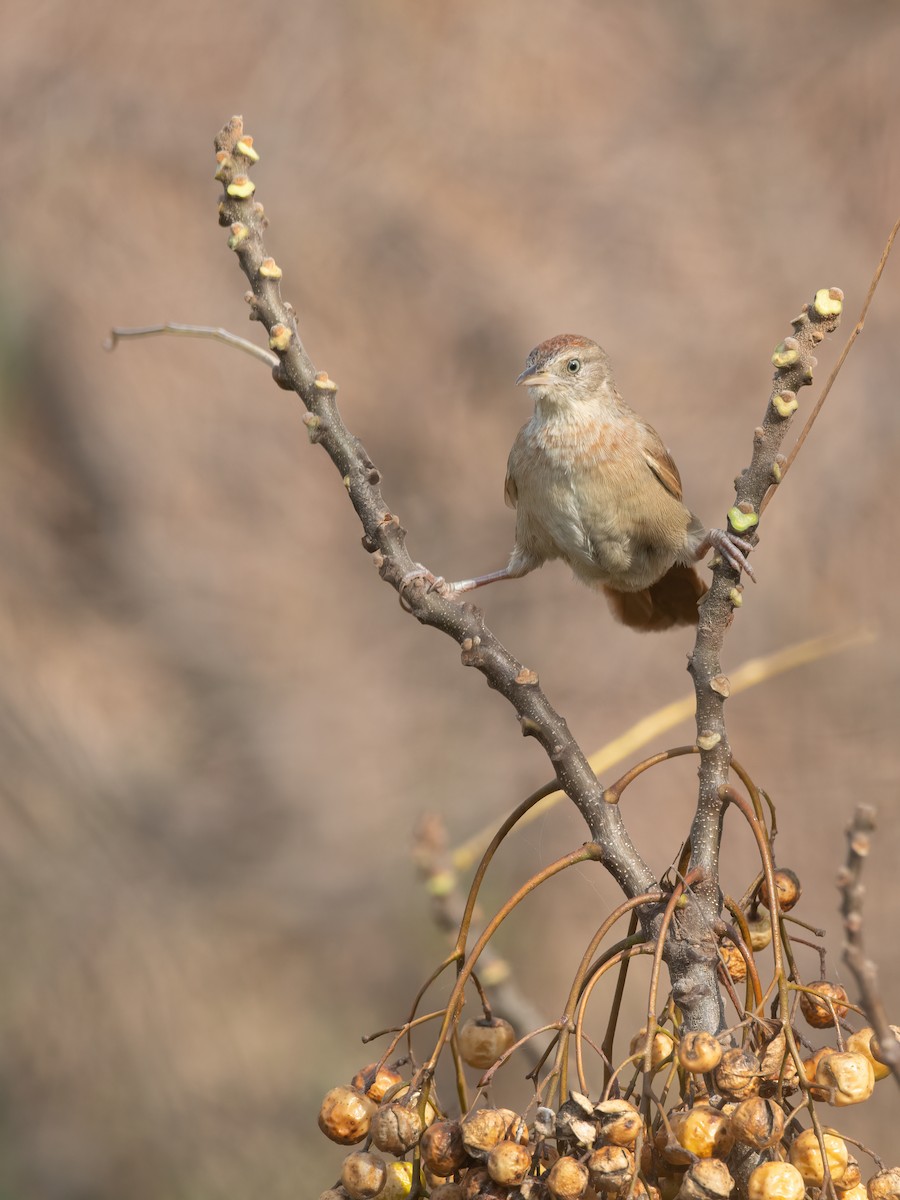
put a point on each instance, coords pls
(864, 969)
(215, 333)
(857, 330)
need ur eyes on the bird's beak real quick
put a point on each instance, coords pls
(534, 378)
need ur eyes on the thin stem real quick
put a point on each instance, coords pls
(216, 334)
(848, 346)
(589, 851)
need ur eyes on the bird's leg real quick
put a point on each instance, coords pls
(468, 585)
(733, 549)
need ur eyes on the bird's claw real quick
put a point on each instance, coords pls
(433, 583)
(733, 549)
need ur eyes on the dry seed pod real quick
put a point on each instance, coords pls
(483, 1041)
(852, 1176)
(448, 1191)
(544, 1122)
(855, 1193)
(703, 1131)
(610, 1168)
(575, 1121)
(817, 1012)
(699, 1052)
(760, 931)
(486, 1127)
(442, 1148)
(398, 1184)
(758, 1123)
(778, 1064)
(738, 1073)
(811, 1066)
(335, 1193)
(806, 1155)
(848, 1078)
(661, 1047)
(363, 1175)
(345, 1115)
(477, 1184)
(775, 1181)
(508, 1163)
(375, 1083)
(733, 960)
(864, 1042)
(885, 1185)
(396, 1128)
(708, 1179)
(567, 1179)
(620, 1122)
(787, 886)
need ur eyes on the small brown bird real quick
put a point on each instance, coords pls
(593, 484)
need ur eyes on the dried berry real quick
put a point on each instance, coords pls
(619, 1121)
(508, 1163)
(396, 1128)
(806, 1156)
(775, 1181)
(818, 1012)
(610, 1168)
(487, 1126)
(787, 887)
(442, 1148)
(703, 1131)
(483, 1041)
(738, 1073)
(363, 1175)
(375, 1083)
(708, 1179)
(661, 1046)
(758, 1123)
(345, 1115)
(733, 960)
(699, 1052)
(567, 1179)
(885, 1185)
(847, 1078)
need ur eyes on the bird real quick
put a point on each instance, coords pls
(593, 484)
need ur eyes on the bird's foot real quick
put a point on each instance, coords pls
(433, 583)
(732, 548)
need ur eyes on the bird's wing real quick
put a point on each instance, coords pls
(660, 462)
(510, 491)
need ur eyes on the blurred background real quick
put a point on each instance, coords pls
(219, 730)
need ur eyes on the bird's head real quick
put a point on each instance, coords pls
(568, 369)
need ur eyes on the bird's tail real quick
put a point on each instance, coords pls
(671, 601)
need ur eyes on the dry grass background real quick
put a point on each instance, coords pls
(218, 728)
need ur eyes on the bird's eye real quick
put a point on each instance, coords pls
(573, 366)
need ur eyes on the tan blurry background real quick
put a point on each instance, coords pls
(218, 728)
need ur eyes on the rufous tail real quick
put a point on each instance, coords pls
(671, 601)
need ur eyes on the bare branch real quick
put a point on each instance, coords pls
(384, 536)
(864, 969)
(794, 363)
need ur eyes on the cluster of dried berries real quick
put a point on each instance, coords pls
(736, 1127)
(588, 1149)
